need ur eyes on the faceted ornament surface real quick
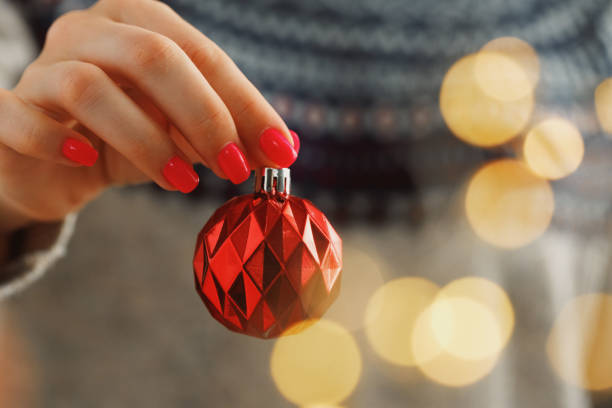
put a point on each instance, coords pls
(263, 264)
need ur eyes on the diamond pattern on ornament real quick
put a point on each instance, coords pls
(262, 265)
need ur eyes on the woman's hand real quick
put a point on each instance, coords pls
(125, 92)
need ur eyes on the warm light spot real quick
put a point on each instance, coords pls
(465, 328)
(578, 346)
(488, 294)
(361, 276)
(553, 148)
(320, 366)
(322, 406)
(520, 52)
(441, 366)
(500, 77)
(475, 116)
(603, 104)
(507, 205)
(391, 314)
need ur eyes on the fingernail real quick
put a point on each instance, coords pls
(181, 175)
(233, 163)
(277, 147)
(296, 141)
(79, 152)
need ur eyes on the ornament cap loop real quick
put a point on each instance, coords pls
(273, 181)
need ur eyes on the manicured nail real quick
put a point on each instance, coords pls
(79, 152)
(233, 163)
(181, 175)
(296, 141)
(277, 147)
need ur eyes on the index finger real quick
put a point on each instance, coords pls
(263, 132)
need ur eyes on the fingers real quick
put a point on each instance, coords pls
(32, 133)
(251, 113)
(163, 72)
(87, 94)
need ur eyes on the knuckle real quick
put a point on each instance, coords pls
(62, 27)
(208, 57)
(27, 133)
(79, 85)
(162, 6)
(22, 129)
(6, 99)
(29, 140)
(216, 117)
(154, 52)
(138, 152)
(248, 108)
(28, 73)
(108, 3)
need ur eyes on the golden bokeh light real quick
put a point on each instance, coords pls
(317, 367)
(465, 328)
(578, 346)
(520, 52)
(361, 276)
(500, 77)
(507, 205)
(491, 296)
(553, 148)
(475, 116)
(603, 104)
(457, 340)
(439, 365)
(391, 315)
(322, 406)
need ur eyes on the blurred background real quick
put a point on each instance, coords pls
(462, 149)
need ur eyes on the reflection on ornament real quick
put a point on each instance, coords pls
(553, 148)
(391, 315)
(578, 346)
(317, 367)
(507, 205)
(268, 260)
(485, 118)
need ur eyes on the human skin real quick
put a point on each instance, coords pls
(127, 92)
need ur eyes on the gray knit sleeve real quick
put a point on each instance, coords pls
(36, 249)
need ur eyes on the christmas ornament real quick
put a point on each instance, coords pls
(268, 260)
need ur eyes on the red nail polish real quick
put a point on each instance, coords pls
(296, 141)
(79, 152)
(233, 163)
(181, 175)
(277, 147)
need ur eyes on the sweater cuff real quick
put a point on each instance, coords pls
(34, 250)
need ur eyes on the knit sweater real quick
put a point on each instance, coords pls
(359, 80)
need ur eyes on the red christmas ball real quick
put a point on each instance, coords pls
(266, 261)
